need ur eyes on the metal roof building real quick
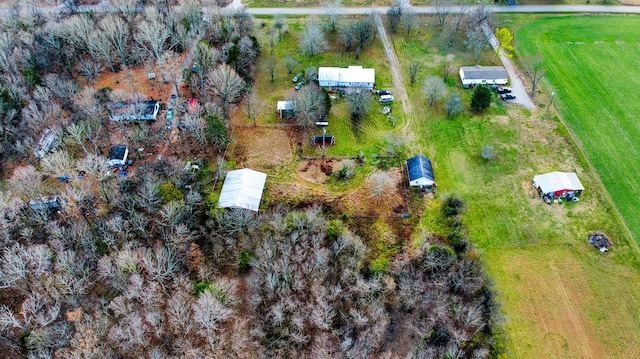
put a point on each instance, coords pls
(352, 76)
(557, 184)
(242, 189)
(489, 75)
(420, 172)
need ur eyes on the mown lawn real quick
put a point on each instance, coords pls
(368, 135)
(561, 298)
(592, 64)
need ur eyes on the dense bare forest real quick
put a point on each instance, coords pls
(144, 265)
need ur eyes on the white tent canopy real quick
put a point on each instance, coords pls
(242, 189)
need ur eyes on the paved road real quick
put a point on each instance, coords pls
(105, 7)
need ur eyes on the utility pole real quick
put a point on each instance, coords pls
(553, 94)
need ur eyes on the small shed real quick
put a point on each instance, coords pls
(118, 155)
(352, 76)
(324, 140)
(242, 189)
(286, 109)
(558, 184)
(420, 172)
(487, 75)
(44, 202)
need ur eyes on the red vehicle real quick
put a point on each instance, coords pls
(194, 105)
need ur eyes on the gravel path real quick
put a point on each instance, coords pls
(394, 65)
(517, 87)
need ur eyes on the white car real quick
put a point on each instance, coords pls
(386, 99)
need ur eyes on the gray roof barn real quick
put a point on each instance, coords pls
(491, 75)
(420, 172)
(484, 72)
(242, 189)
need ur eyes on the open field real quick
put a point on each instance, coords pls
(550, 280)
(561, 298)
(591, 64)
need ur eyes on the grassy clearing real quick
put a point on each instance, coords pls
(551, 282)
(591, 64)
(369, 134)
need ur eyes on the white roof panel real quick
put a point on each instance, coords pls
(349, 74)
(242, 189)
(558, 181)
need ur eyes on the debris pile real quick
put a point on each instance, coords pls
(600, 241)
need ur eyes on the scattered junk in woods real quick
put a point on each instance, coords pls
(48, 143)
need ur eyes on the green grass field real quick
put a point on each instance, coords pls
(561, 298)
(551, 283)
(592, 64)
(369, 134)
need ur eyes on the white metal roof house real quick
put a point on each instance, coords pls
(557, 184)
(420, 172)
(118, 155)
(488, 75)
(286, 109)
(138, 111)
(242, 189)
(352, 76)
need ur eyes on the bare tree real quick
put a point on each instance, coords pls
(116, 31)
(534, 71)
(358, 102)
(414, 68)
(291, 64)
(309, 104)
(271, 63)
(102, 47)
(312, 40)
(476, 41)
(433, 89)
(380, 185)
(454, 105)
(172, 64)
(395, 12)
(279, 23)
(226, 84)
(331, 9)
(447, 63)
(443, 10)
(26, 180)
(58, 164)
(409, 19)
(253, 105)
(364, 32)
(152, 34)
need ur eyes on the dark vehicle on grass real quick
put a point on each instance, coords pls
(383, 92)
(502, 90)
(507, 96)
(299, 85)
